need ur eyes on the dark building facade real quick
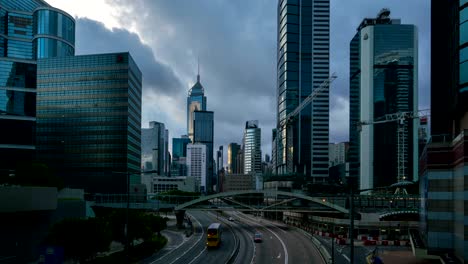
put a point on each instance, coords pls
(29, 29)
(444, 162)
(89, 119)
(203, 132)
(233, 149)
(179, 147)
(303, 64)
(383, 80)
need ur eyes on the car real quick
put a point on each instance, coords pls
(257, 237)
(230, 218)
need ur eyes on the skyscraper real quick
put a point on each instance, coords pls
(203, 133)
(219, 159)
(233, 149)
(252, 148)
(154, 146)
(196, 164)
(179, 147)
(384, 80)
(30, 29)
(303, 64)
(89, 119)
(196, 101)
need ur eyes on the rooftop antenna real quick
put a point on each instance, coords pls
(198, 75)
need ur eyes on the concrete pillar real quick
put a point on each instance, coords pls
(180, 218)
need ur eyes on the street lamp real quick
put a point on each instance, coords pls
(127, 245)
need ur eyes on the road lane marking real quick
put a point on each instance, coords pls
(286, 256)
(344, 256)
(198, 241)
(197, 256)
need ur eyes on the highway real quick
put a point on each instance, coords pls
(194, 250)
(280, 245)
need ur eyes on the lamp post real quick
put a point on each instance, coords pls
(128, 174)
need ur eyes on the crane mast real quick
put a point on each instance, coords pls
(399, 117)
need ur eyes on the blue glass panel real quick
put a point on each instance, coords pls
(48, 48)
(17, 103)
(49, 22)
(16, 74)
(463, 33)
(464, 73)
(463, 15)
(464, 54)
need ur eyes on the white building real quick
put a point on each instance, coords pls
(252, 148)
(337, 153)
(196, 164)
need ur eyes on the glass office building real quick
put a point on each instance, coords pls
(383, 80)
(203, 133)
(196, 101)
(89, 119)
(303, 64)
(179, 147)
(29, 29)
(252, 148)
(233, 149)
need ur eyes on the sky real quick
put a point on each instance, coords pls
(235, 42)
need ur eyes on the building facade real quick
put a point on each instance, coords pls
(237, 182)
(29, 30)
(252, 148)
(203, 133)
(181, 183)
(233, 149)
(303, 64)
(89, 119)
(154, 147)
(179, 147)
(196, 164)
(444, 162)
(387, 74)
(196, 101)
(219, 159)
(338, 153)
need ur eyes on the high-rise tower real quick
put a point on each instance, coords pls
(383, 80)
(29, 30)
(303, 64)
(196, 101)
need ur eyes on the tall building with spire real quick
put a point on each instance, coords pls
(196, 101)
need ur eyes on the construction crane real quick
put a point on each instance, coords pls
(399, 117)
(325, 85)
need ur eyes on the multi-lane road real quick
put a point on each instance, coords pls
(280, 244)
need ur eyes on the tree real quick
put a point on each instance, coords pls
(81, 238)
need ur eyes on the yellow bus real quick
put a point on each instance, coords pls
(213, 235)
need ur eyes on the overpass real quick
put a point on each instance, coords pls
(263, 201)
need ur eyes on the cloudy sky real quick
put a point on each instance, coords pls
(235, 41)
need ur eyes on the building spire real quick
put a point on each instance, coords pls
(198, 75)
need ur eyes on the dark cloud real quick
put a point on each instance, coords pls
(236, 44)
(94, 37)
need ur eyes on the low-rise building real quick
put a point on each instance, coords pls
(237, 182)
(181, 183)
